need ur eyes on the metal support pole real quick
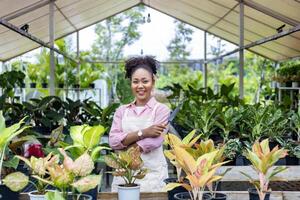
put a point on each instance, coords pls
(241, 51)
(78, 63)
(51, 43)
(205, 63)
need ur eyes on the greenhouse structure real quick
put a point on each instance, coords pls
(197, 135)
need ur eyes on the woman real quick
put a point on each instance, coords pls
(142, 123)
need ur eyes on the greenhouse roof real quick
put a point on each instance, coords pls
(218, 17)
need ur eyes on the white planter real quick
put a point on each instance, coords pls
(126, 193)
(36, 196)
(295, 84)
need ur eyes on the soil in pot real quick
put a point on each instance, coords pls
(253, 195)
(176, 190)
(186, 196)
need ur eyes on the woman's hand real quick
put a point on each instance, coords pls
(154, 131)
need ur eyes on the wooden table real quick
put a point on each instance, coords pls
(114, 196)
(231, 195)
(144, 196)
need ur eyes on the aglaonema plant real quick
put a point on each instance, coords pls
(200, 172)
(86, 139)
(128, 165)
(262, 159)
(187, 142)
(6, 136)
(71, 175)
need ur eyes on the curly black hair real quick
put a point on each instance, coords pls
(146, 62)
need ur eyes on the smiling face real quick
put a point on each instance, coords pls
(142, 84)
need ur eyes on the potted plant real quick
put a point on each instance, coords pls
(86, 139)
(128, 165)
(295, 75)
(43, 77)
(295, 123)
(39, 168)
(232, 149)
(33, 73)
(200, 173)
(294, 151)
(188, 141)
(71, 178)
(262, 159)
(208, 146)
(228, 121)
(6, 135)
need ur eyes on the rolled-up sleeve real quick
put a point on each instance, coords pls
(116, 135)
(161, 117)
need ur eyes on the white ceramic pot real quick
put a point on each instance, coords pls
(34, 196)
(126, 193)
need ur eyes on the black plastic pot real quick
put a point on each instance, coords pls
(93, 193)
(60, 85)
(176, 190)
(92, 85)
(242, 161)
(32, 85)
(281, 161)
(7, 194)
(291, 160)
(76, 86)
(253, 195)
(44, 85)
(186, 196)
(219, 196)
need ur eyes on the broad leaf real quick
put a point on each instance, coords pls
(16, 181)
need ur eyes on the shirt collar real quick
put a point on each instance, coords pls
(151, 103)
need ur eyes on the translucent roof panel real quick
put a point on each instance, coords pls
(218, 17)
(70, 16)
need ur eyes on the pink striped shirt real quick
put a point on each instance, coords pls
(116, 135)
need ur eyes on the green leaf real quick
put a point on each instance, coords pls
(189, 137)
(87, 183)
(171, 186)
(2, 122)
(91, 137)
(16, 181)
(96, 152)
(13, 163)
(77, 135)
(54, 196)
(276, 171)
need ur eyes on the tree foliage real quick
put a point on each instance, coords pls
(178, 45)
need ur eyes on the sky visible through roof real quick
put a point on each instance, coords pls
(155, 38)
